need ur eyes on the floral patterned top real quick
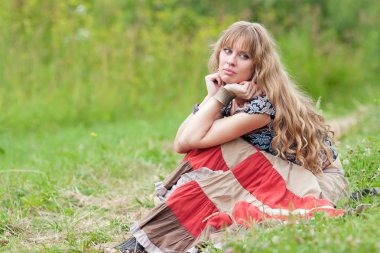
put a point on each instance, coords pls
(262, 137)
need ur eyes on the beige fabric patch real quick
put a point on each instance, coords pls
(236, 151)
(299, 180)
(334, 186)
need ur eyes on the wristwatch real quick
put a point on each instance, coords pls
(195, 108)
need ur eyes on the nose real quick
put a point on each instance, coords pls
(231, 60)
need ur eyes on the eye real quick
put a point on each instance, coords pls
(244, 56)
(227, 50)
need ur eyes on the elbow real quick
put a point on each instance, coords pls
(180, 147)
(186, 143)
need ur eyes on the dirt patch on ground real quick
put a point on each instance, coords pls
(342, 126)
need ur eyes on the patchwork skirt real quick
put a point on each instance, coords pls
(233, 184)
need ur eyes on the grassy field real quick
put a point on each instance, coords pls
(74, 189)
(78, 189)
(92, 93)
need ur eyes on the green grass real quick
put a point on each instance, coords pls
(78, 189)
(92, 92)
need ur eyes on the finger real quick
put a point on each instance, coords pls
(244, 85)
(211, 79)
(245, 88)
(216, 79)
(249, 87)
(257, 93)
(220, 82)
(252, 92)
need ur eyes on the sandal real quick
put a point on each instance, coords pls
(130, 246)
(358, 195)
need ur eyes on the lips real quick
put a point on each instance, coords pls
(229, 72)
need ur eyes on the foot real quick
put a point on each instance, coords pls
(358, 195)
(130, 246)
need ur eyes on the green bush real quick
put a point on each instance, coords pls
(79, 62)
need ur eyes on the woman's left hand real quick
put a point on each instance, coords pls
(213, 83)
(245, 90)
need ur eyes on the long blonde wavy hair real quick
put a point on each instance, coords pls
(299, 129)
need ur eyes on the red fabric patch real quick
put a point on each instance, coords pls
(331, 212)
(211, 158)
(257, 175)
(191, 206)
(246, 214)
(219, 221)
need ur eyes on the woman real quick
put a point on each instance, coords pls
(286, 164)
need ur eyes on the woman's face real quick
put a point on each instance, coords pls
(235, 64)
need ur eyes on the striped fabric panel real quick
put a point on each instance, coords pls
(191, 206)
(172, 178)
(334, 186)
(247, 214)
(225, 191)
(161, 231)
(298, 180)
(260, 178)
(211, 158)
(236, 151)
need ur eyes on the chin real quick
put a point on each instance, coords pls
(228, 79)
(231, 80)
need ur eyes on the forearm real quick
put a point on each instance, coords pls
(199, 125)
(179, 133)
(196, 126)
(177, 146)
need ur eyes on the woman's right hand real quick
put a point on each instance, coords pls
(213, 83)
(245, 90)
